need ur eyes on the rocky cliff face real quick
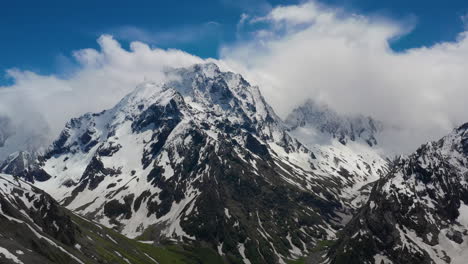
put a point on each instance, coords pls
(418, 213)
(18, 163)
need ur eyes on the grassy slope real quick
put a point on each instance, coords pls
(96, 239)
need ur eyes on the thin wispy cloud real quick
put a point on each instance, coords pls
(171, 36)
(464, 19)
(251, 6)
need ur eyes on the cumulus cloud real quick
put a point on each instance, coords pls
(344, 60)
(102, 78)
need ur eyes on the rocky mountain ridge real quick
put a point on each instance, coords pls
(417, 213)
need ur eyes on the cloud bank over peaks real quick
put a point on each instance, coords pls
(103, 77)
(344, 60)
(293, 53)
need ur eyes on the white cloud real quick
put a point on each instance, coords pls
(104, 76)
(344, 59)
(248, 5)
(296, 14)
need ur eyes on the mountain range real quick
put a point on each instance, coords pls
(200, 169)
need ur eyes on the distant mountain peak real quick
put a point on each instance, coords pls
(327, 121)
(27, 136)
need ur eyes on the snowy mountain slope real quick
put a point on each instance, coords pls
(36, 229)
(417, 213)
(201, 157)
(344, 146)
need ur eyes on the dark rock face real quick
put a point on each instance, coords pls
(165, 118)
(464, 139)
(255, 146)
(95, 173)
(416, 214)
(17, 163)
(114, 208)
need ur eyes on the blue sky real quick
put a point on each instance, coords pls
(40, 35)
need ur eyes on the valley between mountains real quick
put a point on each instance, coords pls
(200, 169)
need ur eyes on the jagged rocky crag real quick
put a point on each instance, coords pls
(18, 163)
(345, 146)
(204, 159)
(418, 213)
